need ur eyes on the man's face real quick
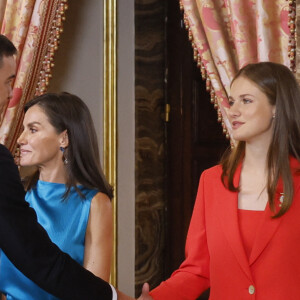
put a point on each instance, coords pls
(7, 76)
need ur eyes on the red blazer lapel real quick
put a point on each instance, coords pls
(270, 225)
(266, 231)
(229, 219)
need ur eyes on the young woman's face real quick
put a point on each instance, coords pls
(39, 142)
(250, 112)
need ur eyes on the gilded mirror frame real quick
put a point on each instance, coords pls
(110, 113)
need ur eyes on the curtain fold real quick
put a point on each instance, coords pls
(228, 34)
(34, 26)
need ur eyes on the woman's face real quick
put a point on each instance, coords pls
(250, 112)
(39, 142)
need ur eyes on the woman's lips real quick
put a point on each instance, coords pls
(23, 151)
(236, 124)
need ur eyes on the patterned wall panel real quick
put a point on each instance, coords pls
(150, 169)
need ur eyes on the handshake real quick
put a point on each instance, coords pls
(144, 296)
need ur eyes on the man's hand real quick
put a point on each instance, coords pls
(145, 293)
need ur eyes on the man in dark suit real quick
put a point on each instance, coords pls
(22, 239)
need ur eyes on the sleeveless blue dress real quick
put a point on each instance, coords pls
(65, 221)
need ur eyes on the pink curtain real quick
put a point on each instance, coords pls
(34, 26)
(228, 34)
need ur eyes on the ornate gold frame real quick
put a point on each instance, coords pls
(110, 113)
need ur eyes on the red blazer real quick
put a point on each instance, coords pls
(215, 255)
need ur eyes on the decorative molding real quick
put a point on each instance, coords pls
(110, 113)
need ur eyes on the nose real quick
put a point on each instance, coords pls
(234, 110)
(21, 140)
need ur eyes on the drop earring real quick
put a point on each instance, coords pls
(65, 160)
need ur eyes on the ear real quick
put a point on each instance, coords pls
(64, 139)
(274, 110)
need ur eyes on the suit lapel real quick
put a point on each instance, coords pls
(269, 225)
(266, 230)
(230, 225)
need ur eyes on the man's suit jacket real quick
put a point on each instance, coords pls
(215, 255)
(29, 248)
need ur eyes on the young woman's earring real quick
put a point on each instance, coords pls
(273, 117)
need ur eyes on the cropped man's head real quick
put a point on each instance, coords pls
(7, 70)
(7, 48)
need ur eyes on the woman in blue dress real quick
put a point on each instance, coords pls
(68, 191)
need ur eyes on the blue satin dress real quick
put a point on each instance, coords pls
(65, 221)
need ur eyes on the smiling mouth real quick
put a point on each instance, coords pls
(22, 152)
(236, 125)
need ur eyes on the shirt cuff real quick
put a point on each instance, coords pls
(114, 293)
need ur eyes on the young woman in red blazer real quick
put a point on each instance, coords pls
(244, 236)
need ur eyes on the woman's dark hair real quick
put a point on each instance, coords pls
(279, 84)
(68, 112)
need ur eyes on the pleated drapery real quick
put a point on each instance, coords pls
(34, 26)
(228, 34)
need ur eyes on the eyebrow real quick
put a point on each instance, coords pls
(243, 95)
(33, 123)
(11, 77)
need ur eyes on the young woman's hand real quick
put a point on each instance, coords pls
(145, 293)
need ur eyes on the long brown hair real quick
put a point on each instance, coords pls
(68, 112)
(278, 83)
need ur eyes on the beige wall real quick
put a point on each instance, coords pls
(78, 61)
(78, 69)
(126, 140)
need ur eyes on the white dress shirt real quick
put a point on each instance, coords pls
(114, 293)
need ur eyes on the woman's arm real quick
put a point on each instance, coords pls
(99, 237)
(192, 277)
